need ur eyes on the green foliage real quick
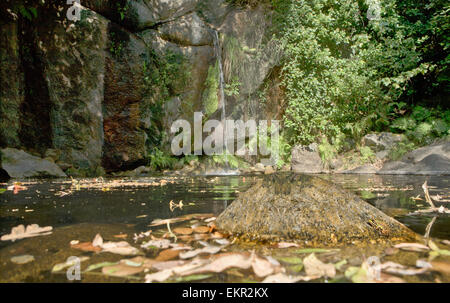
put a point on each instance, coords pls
(327, 151)
(346, 74)
(159, 160)
(227, 159)
(210, 94)
(29, 13)
(367, 154)
(400, 149)
(165, 76)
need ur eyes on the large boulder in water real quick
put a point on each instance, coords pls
(307, 208)
(19, 164)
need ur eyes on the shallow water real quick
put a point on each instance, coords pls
(82, 212)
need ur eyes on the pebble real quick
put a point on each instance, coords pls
(23, 259)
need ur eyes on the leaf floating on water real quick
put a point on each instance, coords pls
(222, 263)
(291, 260)
(443, 267)
(167, 254)
(162, 243)
(98, 241)
(121, 270)
(168, 264)
(159, 276)
(192, 278)
(262, 267)
(201, 229)
(339, 264)
(416, 247)
(72, 262)
(86, 246)
(205, 250)
(99, 265)
(23, 259)
(315, 250)
(287, 245)
(283, 278)
(398, 269)
(183, 230)
(120, 248)
(32, 230)
(315, 267)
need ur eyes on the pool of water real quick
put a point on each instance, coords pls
(88, 204)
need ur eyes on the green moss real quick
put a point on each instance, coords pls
(210, 94)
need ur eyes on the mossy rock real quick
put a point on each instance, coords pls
(309, 209)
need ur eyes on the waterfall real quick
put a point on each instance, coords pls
(222, 100)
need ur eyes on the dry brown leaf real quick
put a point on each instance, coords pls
(443, 267)
(201, 229)
(86, 246)
(205, 250)
(183, 230)
(167, 254)
(121, 270)
(287, 245)
(219, 264)
(315, 267)
(168, 264)
(416, 247)
(262, 267)
(32, 230)
(283, 278)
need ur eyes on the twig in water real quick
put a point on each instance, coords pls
(170, 231)
(427, 194)
(428, 229)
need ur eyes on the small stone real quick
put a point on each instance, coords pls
(23, 259)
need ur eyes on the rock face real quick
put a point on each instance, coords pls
(74, 74)
(102, 91)
(306, 159)
(307, 208)
(429, 160)
(19, 164)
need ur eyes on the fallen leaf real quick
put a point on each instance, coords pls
(398, 269)
(32, 230)
(183, 230)
(192, 278)
(287, 245)
(291, 260)
(98, 241)
(205, 250)
(168, 264)
(443, 267)
(162, 243)
(121, 270)
(416, 247)
(120, 248)
(262, 267)
(315, 267)
(86, 246)
(167, 254)
(61, 266)
(144, 262)
(99, 265)
(220, 264)
(159, 276)
(283, 278)
(314, 250)
(201, 229)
